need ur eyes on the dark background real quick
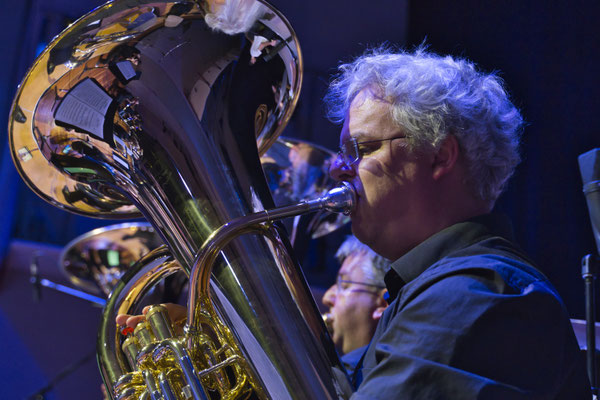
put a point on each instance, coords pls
(546, 52)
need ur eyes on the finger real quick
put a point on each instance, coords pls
(132, 321)
(122, 319)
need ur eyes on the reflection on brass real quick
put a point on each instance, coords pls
(24, 154)
(260, 119)
(95, 261)
(328, 322)
(298, 171)
(151, 106)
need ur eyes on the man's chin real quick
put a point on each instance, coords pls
(337, 341)
(358, 232)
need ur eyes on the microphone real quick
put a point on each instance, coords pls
(589, 166)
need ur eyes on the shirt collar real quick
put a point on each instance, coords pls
(440, 245)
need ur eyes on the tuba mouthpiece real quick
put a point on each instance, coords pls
(341, 199)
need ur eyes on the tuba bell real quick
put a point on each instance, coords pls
(162, 109)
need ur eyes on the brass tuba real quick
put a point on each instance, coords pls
(163, 108)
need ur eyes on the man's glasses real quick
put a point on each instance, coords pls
(350, 151)
(344, 285)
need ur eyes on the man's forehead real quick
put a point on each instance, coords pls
(345, 133)
(368, 93)
(366, 117)
(356, 133)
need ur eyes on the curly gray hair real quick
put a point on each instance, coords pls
(432, 96)
(378, 267)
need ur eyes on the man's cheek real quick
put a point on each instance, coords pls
(370, 168)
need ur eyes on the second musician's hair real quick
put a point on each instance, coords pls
(375, 272)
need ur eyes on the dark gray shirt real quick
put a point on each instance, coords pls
(471, 319)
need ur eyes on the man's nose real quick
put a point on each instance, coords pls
(329, 296)
(339, 171)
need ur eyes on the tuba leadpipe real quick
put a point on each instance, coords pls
(340, 199)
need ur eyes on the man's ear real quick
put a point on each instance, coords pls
(381, 305)
(446, 157)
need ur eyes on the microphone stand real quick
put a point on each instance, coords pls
(589, 166)
(37, 284)
(589, 272)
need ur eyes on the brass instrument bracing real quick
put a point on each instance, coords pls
(141, 107)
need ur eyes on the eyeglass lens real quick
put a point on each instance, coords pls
(349, 151)
(343, 284)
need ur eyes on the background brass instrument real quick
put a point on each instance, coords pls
(96, 260)
(142, 106)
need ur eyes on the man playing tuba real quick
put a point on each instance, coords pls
(429, 142)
